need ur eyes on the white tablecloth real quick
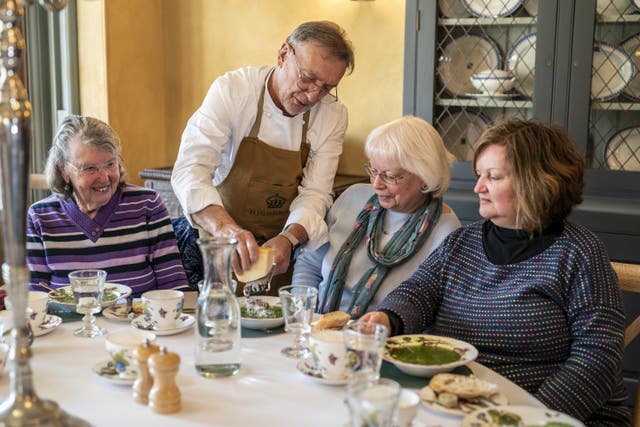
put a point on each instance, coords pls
(268, 392)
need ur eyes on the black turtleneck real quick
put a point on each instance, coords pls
(507, 246)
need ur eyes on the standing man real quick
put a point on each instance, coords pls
(258, 158)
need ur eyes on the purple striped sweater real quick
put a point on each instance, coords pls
(131, 237)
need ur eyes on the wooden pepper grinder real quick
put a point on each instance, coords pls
(164, 397)
(143, 383)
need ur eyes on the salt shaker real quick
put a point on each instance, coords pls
(143, 383)
(164, 397)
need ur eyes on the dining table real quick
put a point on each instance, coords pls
(269, 390)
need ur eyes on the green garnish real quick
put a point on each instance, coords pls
(420, 354)
(261, 310)
(65, 296)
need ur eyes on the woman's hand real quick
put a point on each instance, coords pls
(377, 317)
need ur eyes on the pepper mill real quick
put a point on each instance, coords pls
(144, 381)
(164, 397)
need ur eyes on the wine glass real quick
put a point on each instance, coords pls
(88, 289)
(298, 304)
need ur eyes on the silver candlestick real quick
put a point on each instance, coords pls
(22, 407)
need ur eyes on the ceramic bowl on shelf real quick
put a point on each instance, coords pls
(493, 81)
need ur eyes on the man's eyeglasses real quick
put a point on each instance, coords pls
(327, 94)
(385, 177)
(92, 170)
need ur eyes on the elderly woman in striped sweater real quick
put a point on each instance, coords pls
(533, 292)
(94, 219)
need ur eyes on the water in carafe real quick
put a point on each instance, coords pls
(218, 332)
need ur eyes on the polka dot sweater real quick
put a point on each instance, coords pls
(553, 323)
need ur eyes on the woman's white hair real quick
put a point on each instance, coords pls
(417, 147)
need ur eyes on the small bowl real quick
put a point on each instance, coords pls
(493, 81)
(407, 407)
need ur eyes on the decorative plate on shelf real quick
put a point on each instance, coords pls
(426, 355)
(531, 6)
(518, 415)
(622, 151)
(453, 9)
(611, 72)
(636, 4)
(613, 7)
(521, 61)
(492, 8)
(463, 57)
(631, 46)
(460, 131)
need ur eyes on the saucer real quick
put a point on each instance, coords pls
(50, 323)
(107, 372)
(312, 373)
(185, 321)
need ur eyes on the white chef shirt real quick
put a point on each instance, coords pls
(213, 134)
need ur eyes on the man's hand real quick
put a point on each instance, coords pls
(216, 221)
(282, 249)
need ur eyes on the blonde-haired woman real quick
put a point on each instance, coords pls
(379, 233)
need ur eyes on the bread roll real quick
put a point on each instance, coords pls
(466, 387)
(332, 320)
(261, 268)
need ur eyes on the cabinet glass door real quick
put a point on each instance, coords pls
(614, 118)
(485, 67)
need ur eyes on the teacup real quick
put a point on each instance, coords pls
(120, 345)
(162, 308)
(37, 308)
(407, 407)
(329, 353)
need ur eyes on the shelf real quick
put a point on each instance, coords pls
(486, 21)
(484, 102)
(617, 106)
(614, 19)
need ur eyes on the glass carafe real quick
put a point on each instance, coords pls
(218, 331)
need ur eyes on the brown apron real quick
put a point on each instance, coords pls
(262, 183)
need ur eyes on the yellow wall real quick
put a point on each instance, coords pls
(162, 55)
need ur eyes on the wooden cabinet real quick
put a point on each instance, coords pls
(575, 62)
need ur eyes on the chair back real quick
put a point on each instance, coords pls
(629, 281)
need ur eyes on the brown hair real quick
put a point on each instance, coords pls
(548, 170)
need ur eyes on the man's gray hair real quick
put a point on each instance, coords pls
(328, 35)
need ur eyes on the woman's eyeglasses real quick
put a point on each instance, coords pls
(92, 170)
(385, 177)
(327, 94)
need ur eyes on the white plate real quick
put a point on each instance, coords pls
(622, 151)
(521, 61)
(463, 57)
(531, 6)
(50, 323)
(102, 370)
(636, 4)
(492, 95)
(467, 353)
(631, 45)
(261, 324)
(492, 8)
(530, 416)
(185, 321)
(612, 70)
(460, 132)
(613, 7)
(463, 410)
(453, 9)
(120, 291)
(312, 373)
